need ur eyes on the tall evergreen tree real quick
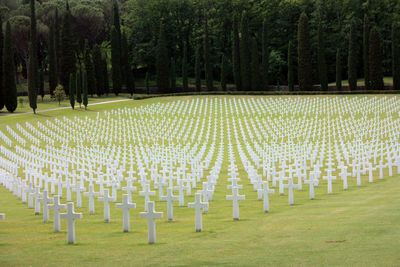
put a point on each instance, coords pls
(352, 57)
(395, 56)
(10, 88)
(72, 90)
(68, 58)
(290, 67)
(98, 70)
(223, 72)
(366, 30)
(207, 59)
(147, 78)
(126, 66)
(78, 87)
(322, 68)
(91, 79)
(116, 19)
(162, 62)
(236, 54)
(375, 60)
(173, 75)
(304, 55)
(338, 70)
(106, 80)
(84, 89)
(115, 61)
(245, 67)
(255, 66)
(57, 45)
(185, 82)
(265, 57)
(2, 89)
(197, 69)
(41, 83)
(33, 74)
(52, 61)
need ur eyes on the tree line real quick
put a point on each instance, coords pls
(210, 45)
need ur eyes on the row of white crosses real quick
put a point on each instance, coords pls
(170, 148)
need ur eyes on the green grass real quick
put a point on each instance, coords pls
(358, 227)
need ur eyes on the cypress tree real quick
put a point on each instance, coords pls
(245, 54)
(91, 79)
(41, 83)
(106, 80)
(98, 70)
(290, 67)
(255, 66)
(375, 60)
(162, 62)
(10, 88)
(352, 57)
(338, 70)
(173, 75)
(52, 61)
(84, 89)
(395, 56)
(57, 45)
(115, 61)
(116, 19)
(2, 89)
(67, 51)
(207, 58)
(126, 67)
(265, 57)
(33, 75)
(322, 68)
(79, 87)
(304, 54)
(223, 73)
(236, 54)
(72, 90)
(185, 69)
(197, 69)
(147, 83)
(366, 30)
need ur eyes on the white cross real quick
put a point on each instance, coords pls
(71, 216)
(151, 215)
(125, 206)
(106, 199)
(147, 193)
(45, 200)
(91, 194)
(198, 205)
(343, 175)
(37, 195)
(290, 186)
(329, 178)
(56, 207)
(235, 197)
(266, 191)
(129, 189)
(312, 182)
(170, 205)
(380, 167)
(78, 189)
(181, 187)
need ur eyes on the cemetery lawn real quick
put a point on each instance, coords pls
(358, 227)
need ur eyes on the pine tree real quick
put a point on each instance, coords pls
(265, 57)
(162, 62)
(72, 90)
(322, 68)
(304, 55)
(116, 19)
(41, 83)
(207, 58)
(91, 79)
(126, 66)
(2, 89)
(236, 54)
(98, 70)
(255, 66)
(84, 89)
(52, 61)
(57, 45)
(173, 75)
(396, 56)
(290, 67)
(223, 73)
(147, 82)
(197, 69)
(10, 88)
(106, 80)
(115, 61)
(366, 30)
(338, 70)
(185, 82)
(375, 60)
(33, 75)
(79, 87)
(68, 58)
(245, 54)
(352, 57)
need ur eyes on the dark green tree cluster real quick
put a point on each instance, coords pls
(162, 64)
(304, 54)
(33, 74)
(375, 60)
(396, 56)
(9, 86)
